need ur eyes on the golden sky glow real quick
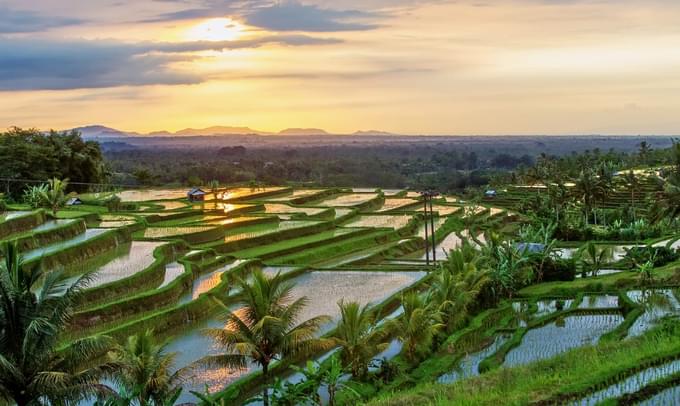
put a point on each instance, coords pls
(414, 67)
(215, 29)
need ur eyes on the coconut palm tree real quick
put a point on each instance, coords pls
(668, 206)
(145, 370)
(594, 257)
(605, 183)
(455, 286)
(632, 184)
(417, 327)
(265, 328)
(35, 307)
(558, 195)
(55, 196)
(358, 337)
(586, 189)
(644, 150)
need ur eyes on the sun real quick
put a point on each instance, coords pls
(215, 29)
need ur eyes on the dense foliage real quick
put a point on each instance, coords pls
(31, 155)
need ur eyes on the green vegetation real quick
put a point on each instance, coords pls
(266, 327)
(326, 296)
(33, 156)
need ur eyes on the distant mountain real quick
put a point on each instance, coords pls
(371, 132)
(303, 131)
(160, 134)
(100, 131)
(220, 130)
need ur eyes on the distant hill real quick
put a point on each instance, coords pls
(371, 132)
(220, 130)
(100, 131)
(303, 131)
(160, 134)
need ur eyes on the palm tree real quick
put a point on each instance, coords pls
(145, 370)
(35, 307)
(456, 285)
(605, 180)
(55, 196)
(644, 150)
(668, 206)
(594, 257)
(558, 195)
(586, 188)
(358, 337)
(417, 327)
(214, 187)
(265, 328)
(632, 184)
(3, 203)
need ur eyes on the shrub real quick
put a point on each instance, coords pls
(559, 270)
(113, 204)
(658, 256)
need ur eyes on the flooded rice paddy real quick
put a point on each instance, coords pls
(286, 209)
(631, 384)
(380, 221)
(323, 290)
(172, 271)
(137, 256)
(348, 200)
(657, 303)
(396, 204)
(546, 307)
(469, 365)
(165, 232)
(560, 336)
(668, 396)
(599, 302)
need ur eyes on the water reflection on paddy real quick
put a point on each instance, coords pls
(323, 290)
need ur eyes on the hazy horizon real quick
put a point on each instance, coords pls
(431, 67)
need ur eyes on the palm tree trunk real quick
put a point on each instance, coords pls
(331, 395)
(632, 199)
(265, 386)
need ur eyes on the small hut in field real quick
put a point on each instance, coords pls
(196, 195)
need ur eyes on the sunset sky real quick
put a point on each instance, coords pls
(410, 67)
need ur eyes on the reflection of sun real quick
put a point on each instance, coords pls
(215, 29)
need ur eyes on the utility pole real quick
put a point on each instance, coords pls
(430, 240)
(427, 239)
(434, 246)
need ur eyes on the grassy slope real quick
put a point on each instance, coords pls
(571, 373)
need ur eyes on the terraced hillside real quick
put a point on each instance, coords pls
(490, 295)
(158, 262)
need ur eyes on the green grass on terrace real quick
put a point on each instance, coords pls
(668, 273)
(264, 250)
(574, 372)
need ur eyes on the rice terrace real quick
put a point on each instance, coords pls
(339, 203)
(542, 291)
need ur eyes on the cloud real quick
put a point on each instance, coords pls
(18, 21)
(27, 64)
(288, 15)
(294, 16)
